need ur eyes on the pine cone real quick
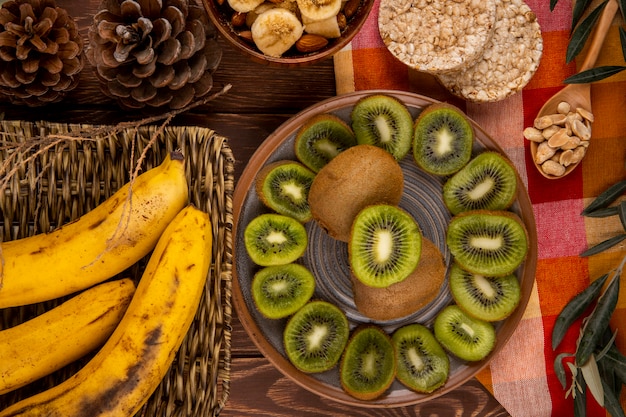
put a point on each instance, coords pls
(153, 52)
(40, 52)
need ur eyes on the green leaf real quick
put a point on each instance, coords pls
(622, 213)
(598, 321)
(580, 400)
(622, 6)
(622, 39)
(611, 401)
(574, 308)
(594, 74)
(591, 373)
(559, 368)
(578, 10)
(604, 212)
(582, 32)
(602, 246)
(553, 4)
(606, 197)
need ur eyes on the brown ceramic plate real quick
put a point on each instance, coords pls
(328, 260)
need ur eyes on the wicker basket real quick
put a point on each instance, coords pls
(58, 179)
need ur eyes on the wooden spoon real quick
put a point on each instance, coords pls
(578, 95)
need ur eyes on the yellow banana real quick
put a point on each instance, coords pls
(123, 374)
(100, 244)
(58, 337)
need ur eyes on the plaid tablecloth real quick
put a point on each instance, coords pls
(522, 377)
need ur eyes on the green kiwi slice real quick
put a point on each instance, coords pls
(385, 245)
(383, 121)
(315, 336)
(423, 365)
(284, 187)
(488, 181)
(368, 365)
(321, 138)
(465, 337)
(486, 242)
(279, 291)
(485, 298)
(274, 239)
(442, 140)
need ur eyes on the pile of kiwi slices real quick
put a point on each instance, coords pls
(347, 179)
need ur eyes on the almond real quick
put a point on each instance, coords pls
(246, 35)
(311, 43)
(350, 8)
(238, 19)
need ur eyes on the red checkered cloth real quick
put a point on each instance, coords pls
(521, 376)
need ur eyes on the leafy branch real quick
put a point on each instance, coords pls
(581, 30)
(596, 365)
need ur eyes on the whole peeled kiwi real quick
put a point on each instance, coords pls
(360, 176)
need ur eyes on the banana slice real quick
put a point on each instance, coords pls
(244, 6)
(328, 28)
(319, 9)
(275, 31)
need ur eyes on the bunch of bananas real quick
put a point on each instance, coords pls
(138, 330)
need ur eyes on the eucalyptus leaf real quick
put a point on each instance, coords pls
(604, 245)
(594, 74)
(606, 197)
(578, 10)
(617, 362)
(559, 368)
(582, 32)
(553, 4)
(591, 373)
(604, 212)
(611, 401)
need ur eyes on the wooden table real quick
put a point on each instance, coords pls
(261, 98)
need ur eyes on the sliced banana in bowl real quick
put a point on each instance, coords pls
(276, 30)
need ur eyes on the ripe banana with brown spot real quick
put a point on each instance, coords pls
(123, 374)
(100, 244)
(58, 337)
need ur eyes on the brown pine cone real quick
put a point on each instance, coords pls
(40, 52)
(153, 52)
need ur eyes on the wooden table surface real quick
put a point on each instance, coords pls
(260, 99)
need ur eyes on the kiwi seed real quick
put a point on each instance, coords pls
(274, 239)
(465, 337)
(356, 178)
(283, 186)
(442, 140)
(488, 181)
(321, 138)
(383, 121)
(490, 243)
(368, 365)
(315, 336)
(385, 245)
(279, 291)
(423, 365)
(482, 297)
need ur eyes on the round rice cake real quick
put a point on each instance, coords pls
(509, 61)
(437, 36)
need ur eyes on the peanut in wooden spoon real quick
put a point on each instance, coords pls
(578, 95)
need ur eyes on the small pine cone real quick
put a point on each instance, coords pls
(40, 52)
(153, 52)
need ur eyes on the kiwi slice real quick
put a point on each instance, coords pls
(279, 291)
(368, 365)
(274, 239)
(385, 245)
(383, 121)
(465, 337)
(486, 242)
(284, 187)
(423, 365)
(321, 138)
(488, 181)
(315, 336)
(485, 298)
(442, 140)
